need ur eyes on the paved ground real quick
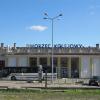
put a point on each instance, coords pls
(35, 84)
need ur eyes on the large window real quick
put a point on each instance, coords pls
(54, 61)
(64, 62)
(33, 61)
(64, 67)
(2, 63)
(75, 67)
(43, 61)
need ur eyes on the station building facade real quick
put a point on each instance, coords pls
(74, 61)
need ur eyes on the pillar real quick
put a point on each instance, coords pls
(38, 60)
(59, 67)
(17, 61)
(80, 64)
(28, 64)
(91, 67)
(69, 67)
(48, 61)
(6, 61)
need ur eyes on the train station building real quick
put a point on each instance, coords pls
(69, 60)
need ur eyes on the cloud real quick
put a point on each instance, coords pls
(38, 28)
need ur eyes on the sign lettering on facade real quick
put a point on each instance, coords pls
(55, 45)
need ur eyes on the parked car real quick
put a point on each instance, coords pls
(94, 81)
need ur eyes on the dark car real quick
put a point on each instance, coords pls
(94, 81)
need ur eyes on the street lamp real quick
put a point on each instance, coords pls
(52, 21)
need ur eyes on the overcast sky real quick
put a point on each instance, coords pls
(21, 21)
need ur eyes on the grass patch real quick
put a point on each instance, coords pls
(28, 94)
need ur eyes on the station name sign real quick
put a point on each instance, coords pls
(55, 45)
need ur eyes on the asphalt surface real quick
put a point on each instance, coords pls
(36, 84)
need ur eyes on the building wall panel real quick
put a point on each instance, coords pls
(22, 61)
(12, 62)
(96, 67)
(85, 67)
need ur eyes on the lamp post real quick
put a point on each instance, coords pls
(52, 21)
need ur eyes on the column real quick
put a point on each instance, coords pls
(91, 66)
(17, 61)
(48, 61)
(38, 61)
(69, 67)
(58, 67)
(80, 64)
(6, 61)
(28, 61)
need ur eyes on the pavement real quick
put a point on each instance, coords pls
(36, 84)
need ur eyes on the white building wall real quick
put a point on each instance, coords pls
(12, 62)
(23, 62)
(96, 66)
(85, 67)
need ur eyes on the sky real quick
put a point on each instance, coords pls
(21, 22)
